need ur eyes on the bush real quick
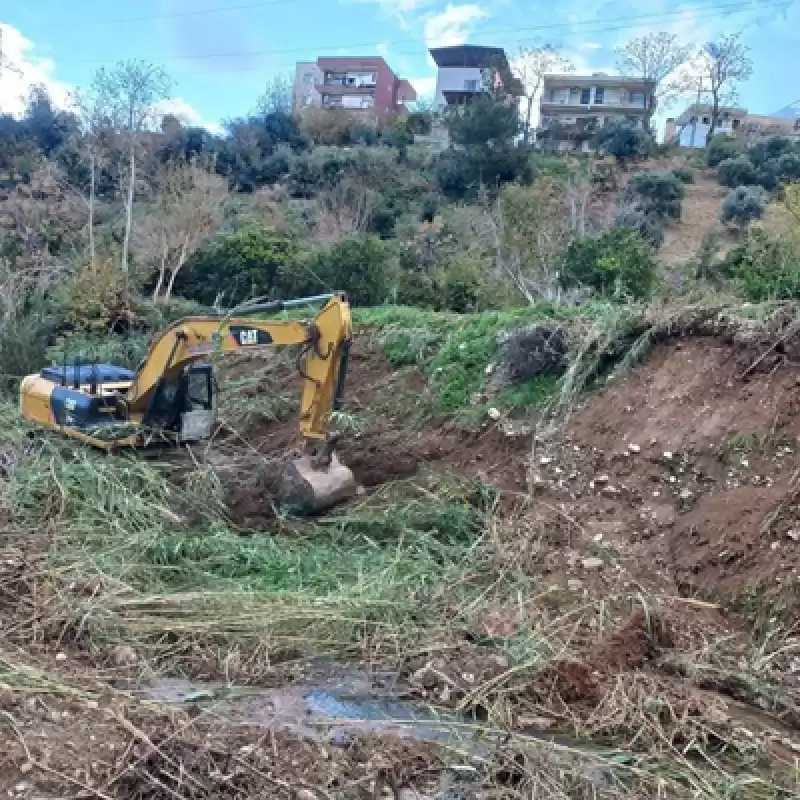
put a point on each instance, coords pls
(461, 173)
(766, 268)
(236, 266)
(742, 205)
(739, 171)
(658, 193)
(683, 174)
(787, 167)
(721, 147)
(623, 140)
(617, 263)
(769, 149)
(648, 225)
(360, 265)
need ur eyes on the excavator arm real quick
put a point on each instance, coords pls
(325, 343)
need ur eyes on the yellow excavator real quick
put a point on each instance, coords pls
(172, 395)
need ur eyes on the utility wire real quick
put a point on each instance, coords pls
(592, 26)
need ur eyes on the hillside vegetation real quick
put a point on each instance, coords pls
(572, 570)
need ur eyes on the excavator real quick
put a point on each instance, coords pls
(171, 398)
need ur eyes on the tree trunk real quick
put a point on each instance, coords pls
(528, 113)
(714, 115)
(162, 270)
(177, 268)
(91, 210)
(128, 217)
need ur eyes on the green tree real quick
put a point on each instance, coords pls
(658, 193)
(233, 267)
(739, 171)
(623, 140)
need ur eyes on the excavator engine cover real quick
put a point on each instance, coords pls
(306, 489)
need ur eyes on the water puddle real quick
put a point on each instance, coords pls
(344, 707)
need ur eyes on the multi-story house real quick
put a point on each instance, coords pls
(365, 85)
(691, 127)
(572, 107)
(466, 70)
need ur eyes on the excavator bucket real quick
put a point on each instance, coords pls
(309, 489)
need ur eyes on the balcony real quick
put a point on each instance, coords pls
(573, 102)
(342, 89)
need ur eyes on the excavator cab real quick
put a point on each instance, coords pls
(185, 405)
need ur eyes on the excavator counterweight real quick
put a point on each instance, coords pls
(172, 395)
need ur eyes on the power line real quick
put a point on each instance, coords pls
(591, 26)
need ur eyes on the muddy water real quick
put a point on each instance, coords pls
(343, 706)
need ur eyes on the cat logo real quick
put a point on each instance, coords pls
(248, 336)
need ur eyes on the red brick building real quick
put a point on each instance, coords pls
(361, 84)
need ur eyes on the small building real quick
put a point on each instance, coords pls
(691, 127)
(466, 70)
(365, 85)
(572, 107)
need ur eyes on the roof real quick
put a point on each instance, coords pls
(705, 108)
(598, 79)
(469, 55)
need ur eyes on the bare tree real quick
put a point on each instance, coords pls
(717, 71)
(654, 58)
(530, 66)
(189, 208)
(278, 95)
(127, 97)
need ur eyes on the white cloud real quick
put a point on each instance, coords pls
(188, 114)
(453, 25)
(24, 69)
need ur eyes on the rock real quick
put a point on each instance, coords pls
(545, 460)
(493, 413)
(592, 563)
(685, 494)
(61, 656)
(124, 655)
(574, 584)
(794, 534)
(668, 455)
(601, 479)
(340, 738)
(305, 794)
(634, 448)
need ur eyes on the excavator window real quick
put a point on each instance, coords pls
(199, 388)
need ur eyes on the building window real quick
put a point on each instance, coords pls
(585, 95)
(736, 124)
(637, 99)
(599, 95)
(470, 86)
(308, 77)
(706, 121)
(307, 101)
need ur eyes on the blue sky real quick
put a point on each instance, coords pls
(221, 52)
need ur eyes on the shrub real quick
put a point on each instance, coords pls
(617, 263)
(769, 149)
(683, 174)
(656, 193)
(236, 266)
(787, 167)
(461, 173)
(623, 140)
(742, 205)
(648, 225)
(739, 171)
(329, 126)
(721, 147)
(360, 264)
(766, 268)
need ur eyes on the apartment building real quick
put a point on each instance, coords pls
(359, 84)
(465, 70)
(573, 106)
